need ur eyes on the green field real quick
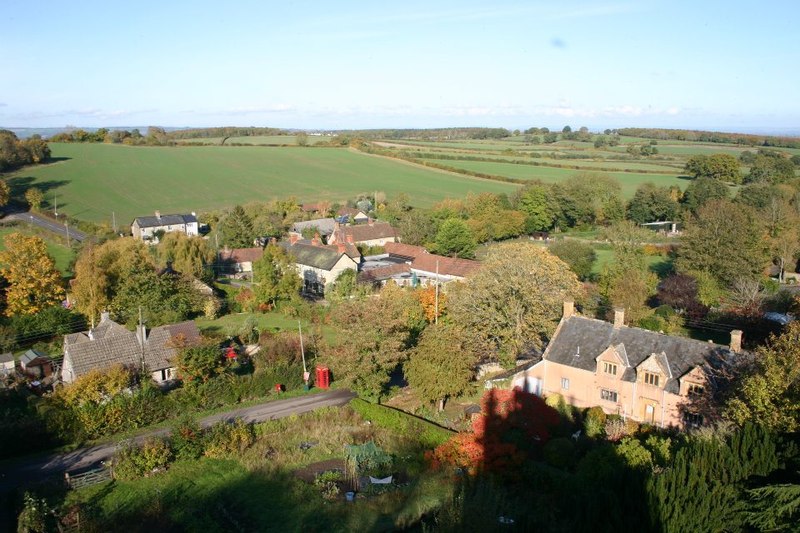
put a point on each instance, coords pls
(94, 180)
(271, 140)
(628, 180)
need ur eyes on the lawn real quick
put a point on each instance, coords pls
(628, 180)
(274, 321)
(94, 180)
(58, 250)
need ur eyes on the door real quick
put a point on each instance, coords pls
(649, 413)
(533, 385)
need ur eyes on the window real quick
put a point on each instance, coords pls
(651, 379)
(565, 383)
(609, 368)
(695, 389)
(693, 419)
(608, 395)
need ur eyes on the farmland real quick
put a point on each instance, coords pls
(94, 180)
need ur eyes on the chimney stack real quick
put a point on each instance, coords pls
(341, 247)
(619, 317)
(736, 340)
(350, 238)
(104, 316)
(569, 309)
(316, 241)
(293, 238)
(370, 222)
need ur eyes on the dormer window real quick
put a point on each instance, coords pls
(651, 379)
(695, 389)
(609, 368)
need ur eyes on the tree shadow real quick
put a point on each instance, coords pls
(20, 184)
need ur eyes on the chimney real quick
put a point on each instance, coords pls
(293, 238)
(104, 316)
(341, 248)
(370, 222)
(569, 309)
(736, 340)
(619, 317)
(350, 239)
(316, 240)
(141, 334)
(158, 215)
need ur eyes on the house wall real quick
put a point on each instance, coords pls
(165, 374)
(191, 229)
(584, 391)
(345, 262)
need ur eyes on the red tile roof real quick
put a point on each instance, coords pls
(448, 266)
(241, 255)
(404, 250)
(385, 272)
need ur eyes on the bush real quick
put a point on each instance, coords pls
(131, 461)
(616, 429)
(594, 422)
(187, 438)
(224, 439)
(328, 484)
(559, 452)
(634, 454)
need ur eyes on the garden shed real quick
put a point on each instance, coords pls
(36, 364)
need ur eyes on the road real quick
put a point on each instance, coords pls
(35, 469)
(48, 224)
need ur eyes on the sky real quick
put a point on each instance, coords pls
(722, 65)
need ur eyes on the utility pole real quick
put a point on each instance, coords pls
(140, 334)
(303, 353)
(114, 221)
(436, 308)
(55, 204)
(66, 225)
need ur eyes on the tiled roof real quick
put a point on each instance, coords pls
(350, 211)
(322, 257)
(404, 250)
(580, 340)
(448, 266)
(241, 255)
(164, 220)
(110, 344)
(368, 232)
(30, 356)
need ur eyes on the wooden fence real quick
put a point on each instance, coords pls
(84, 478)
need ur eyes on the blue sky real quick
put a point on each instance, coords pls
(703, 64)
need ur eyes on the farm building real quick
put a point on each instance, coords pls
(413, 265)
(109, 344)
(639, 374)
(145, 228)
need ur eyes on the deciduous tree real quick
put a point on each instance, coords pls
(34, 197)
(579, 255)
(514, 301)
(191, 256)
(722, 167)
(275, 277)
(455, 239)
(34, 282)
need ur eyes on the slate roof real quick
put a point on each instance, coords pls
(324, 226)
(589, 338)
(110, 344)
(322, 257)
(164, 220)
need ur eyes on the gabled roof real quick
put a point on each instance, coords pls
(110, 344)
(678, 355)
(447, 266)
(324, 226)
(368, 232)
(384, 272)
(351, 212)
(241, 255)
(322, 257)
(164, 220)
(408, 251)
(32, 355)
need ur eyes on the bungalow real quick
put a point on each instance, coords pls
(110, 343)
(640, 374)
(413, 265)
(144, 228)
(36, 365)
(318, 264)
(239, 260)
(370, 234)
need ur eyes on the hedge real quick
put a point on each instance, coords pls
(430, 435)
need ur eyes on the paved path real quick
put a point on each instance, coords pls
(35, 469)
(48, 224)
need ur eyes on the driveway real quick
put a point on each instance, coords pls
(37, 468)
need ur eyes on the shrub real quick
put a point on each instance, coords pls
(616, 429)
(224, 439)
(594, 422)
(634, 454)
(187, 438)
(559, 452)
(328, 484)
(131, 461)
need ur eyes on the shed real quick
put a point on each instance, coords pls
(36, 364)
(6, 364)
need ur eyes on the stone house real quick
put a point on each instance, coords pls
(318, 264)
(639, 374)
(145, 228)
(109, 344)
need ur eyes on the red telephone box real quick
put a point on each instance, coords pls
(323, 377)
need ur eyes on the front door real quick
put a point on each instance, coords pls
(649, 413)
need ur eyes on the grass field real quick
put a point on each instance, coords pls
(271, 140)
(628, 180)
(62, 254)
(94, 180)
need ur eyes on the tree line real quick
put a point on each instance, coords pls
(711, 137)
(16, 153)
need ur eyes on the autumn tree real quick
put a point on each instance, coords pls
(191, 256)
(513, 302)
(768, 392)
(490, 217)
(417, 227)
(34, 282)
(275, 277)
(724, 240)
(376, 334)
(163, 299)
(5, 192)
(430, 301)
(722, 167)
(198, 364)
(34, 197)
(442, 365)
(90, 291)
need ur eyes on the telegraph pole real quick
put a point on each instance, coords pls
(114, 221)
(436, 311)
(66, 225)
(303, 353)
